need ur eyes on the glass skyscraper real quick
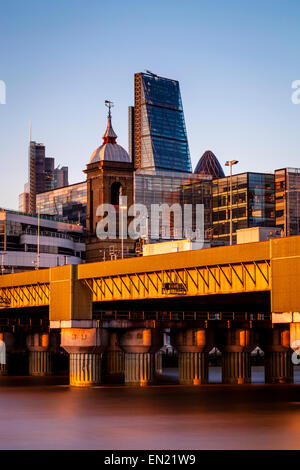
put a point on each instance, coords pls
(158, 126)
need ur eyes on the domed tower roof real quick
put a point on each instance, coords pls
(110, 150)
(208, 164)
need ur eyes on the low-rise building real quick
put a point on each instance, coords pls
(28, 242)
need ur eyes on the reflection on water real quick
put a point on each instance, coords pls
(213, 416)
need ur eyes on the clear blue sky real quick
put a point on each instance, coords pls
(235, 60)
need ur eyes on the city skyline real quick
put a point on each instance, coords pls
(236, 94)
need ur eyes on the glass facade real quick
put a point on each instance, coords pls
(253, 203)
(159, 127)
(287, 197)
(68, 203)
(174, 188)
(209, 165)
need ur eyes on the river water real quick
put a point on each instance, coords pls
(35, 415)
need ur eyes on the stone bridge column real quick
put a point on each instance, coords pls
(193, 346)
(140, 346)
(159, 363)
(40, 356)
(113, 360)
(6, 345)
(236, 345)
(85, 347)
(278, 355)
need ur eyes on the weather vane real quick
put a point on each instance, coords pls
(110, 105)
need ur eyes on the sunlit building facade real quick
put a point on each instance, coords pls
(174, 188)
(59, 242)
(68, 203)
(253, 203)
(287, 200)
(158, 129)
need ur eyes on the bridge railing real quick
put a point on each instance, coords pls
(180, 315)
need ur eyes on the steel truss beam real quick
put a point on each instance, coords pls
(195, 281)
(24, 296)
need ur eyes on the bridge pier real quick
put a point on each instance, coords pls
(140, 346)
(85, 347)
(6, 344)
(236, 346)
(113, 361)
(159, 363)
(278, 355)
(84, 369)
(193, 345)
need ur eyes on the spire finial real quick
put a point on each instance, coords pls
(109, 136)
(109, 105)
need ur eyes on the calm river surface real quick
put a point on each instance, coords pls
(214, 416)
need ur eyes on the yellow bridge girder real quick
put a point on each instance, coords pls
(26, 289)
(69, 291)
(192, 281)
(24, 296)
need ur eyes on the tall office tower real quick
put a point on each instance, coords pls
(61, 177)
(36, 173)
(48, 174)
(159, 133)
(42, 175)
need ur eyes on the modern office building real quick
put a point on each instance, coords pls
(174, 188)
(60, 243)
(43, 176)
(24, 202)
(253, 203)
(157, 135)
(287, 200)
(208, 164)
(68, 203)
(61, 177)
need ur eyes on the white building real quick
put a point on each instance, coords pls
(28, 241)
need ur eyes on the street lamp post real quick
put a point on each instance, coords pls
(230, 163)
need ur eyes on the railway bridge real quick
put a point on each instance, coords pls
(113, 313)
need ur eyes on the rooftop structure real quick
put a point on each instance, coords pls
(208, 164)
(109, 150)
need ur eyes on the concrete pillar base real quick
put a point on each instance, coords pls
(3, 370)
(193, 368)
(40, 363)
(279, 367)
(236, 368)
(139, 368)
(85, 369)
